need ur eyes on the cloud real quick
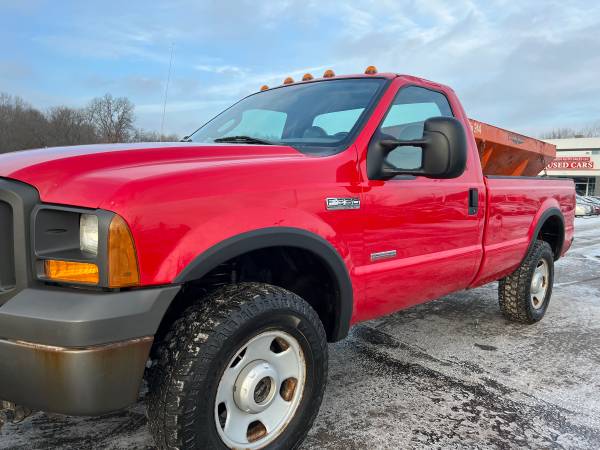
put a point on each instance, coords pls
(98, 47)
(15, 70)
(527, 66)
(220, 70)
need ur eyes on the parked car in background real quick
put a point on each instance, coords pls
(594, 200)
(595, 206)
(592, 203)
(582, 209)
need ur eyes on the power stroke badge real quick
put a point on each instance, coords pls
(337, 203)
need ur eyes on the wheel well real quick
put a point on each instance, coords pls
(295, 269)
(553, 232)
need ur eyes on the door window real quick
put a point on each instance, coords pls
(405, 121)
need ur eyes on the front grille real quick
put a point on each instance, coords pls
(7, 257)
(17, 201)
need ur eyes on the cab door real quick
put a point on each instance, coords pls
(422, 238)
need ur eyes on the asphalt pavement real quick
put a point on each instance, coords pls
(449, 373)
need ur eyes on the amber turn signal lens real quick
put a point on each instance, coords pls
(307, 77)
(371, 70)
(71, 272)
(329, 74)
(288, 80)
(264, 87)
(122, 259)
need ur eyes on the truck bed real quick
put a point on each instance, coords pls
(514, 207)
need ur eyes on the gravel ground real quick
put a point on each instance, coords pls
(450, 373)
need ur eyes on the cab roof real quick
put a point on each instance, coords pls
(308, 78)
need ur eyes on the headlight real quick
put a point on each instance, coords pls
(88, 233)
(77, 246)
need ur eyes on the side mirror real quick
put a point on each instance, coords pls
(443, 151)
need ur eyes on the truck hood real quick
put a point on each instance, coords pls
(87, 175)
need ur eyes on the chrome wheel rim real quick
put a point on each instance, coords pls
(539, 284)
(260, 390)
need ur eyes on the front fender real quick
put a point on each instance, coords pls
(240, 222)
(282, 237)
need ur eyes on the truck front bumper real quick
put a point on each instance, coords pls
(78, 352)
(87, 381)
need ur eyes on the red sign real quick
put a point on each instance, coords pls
(571, 162)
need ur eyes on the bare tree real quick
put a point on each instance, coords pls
(106, 119)
(68, 126)
(592, 130)
(141, 135)
(112, 118)
(558, 133)
(21, 125)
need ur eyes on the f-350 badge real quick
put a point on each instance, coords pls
(337, 203)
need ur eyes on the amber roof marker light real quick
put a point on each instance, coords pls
(370, 70)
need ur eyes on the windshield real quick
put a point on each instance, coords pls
(312, 117)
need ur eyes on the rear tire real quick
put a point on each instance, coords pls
(524, 295)
(203, 385)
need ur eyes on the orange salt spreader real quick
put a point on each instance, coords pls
(504, 152)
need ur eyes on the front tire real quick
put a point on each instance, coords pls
(246, 367)
(524, 295)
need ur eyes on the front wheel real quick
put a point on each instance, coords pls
(524, 295)
(245, 367)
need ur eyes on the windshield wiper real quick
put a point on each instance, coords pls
(244, 140)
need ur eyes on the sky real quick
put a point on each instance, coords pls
(529, 66)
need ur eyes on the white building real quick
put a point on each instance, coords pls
(579, 159)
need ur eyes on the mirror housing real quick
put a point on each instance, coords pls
(444, 146)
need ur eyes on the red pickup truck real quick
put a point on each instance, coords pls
(220, 267)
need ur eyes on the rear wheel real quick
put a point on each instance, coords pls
(244, 368)
(525, 294)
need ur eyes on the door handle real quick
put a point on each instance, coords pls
(473, 201)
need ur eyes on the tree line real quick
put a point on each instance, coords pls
(588, 131)
(111, 119)
(105, 119)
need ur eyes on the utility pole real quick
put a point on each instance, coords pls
(162, 121)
